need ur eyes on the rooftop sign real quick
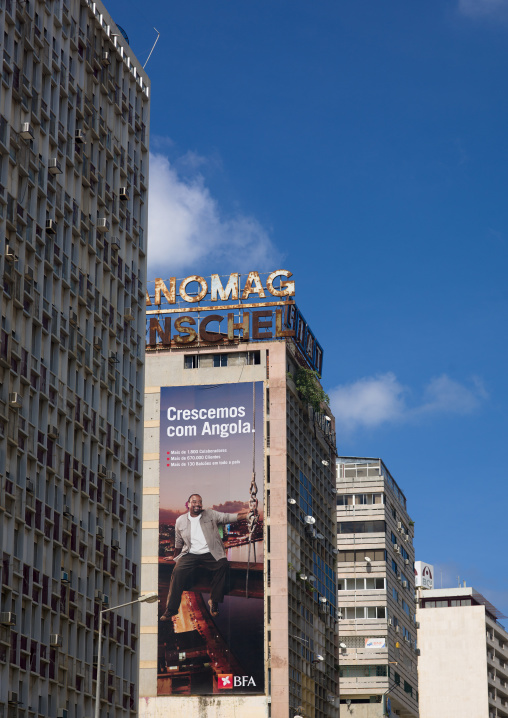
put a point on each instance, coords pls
(217, 290)
(249, 307)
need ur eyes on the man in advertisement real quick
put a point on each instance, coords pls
(198, 546)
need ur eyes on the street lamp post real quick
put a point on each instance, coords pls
(148, 598)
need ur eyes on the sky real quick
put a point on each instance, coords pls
(363, 146)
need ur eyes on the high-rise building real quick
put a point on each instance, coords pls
(74, 111)
(463, 666)
(377, 629)
(280, 659)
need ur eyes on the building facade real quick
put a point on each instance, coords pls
(377, 629)
(74, 111)
(463, 667)
(298, 572)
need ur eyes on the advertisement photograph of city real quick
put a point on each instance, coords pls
(211, 559)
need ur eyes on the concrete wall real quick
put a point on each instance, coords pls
(452, 667)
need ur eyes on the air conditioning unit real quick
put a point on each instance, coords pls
(127, 314)
(399, 525)
(54, 166)
(110, 477)
(417, 625)
(397, 629)
(406, 561)
(7, 618)
(29, 273)
(97, 343)
(106, 58)
(98, 595)
(407, 639)
(52, 431)
(67, 510)
(27, 132)
(115, 243)
(404, 584)
(15, 400)
(390, 621)
(101, 470)
(12, 698)
(397, 549)
(123, 194)
(30, 486)
(62, 713)
(64, 576)
(417, 651)
(399, 577)
(105, 600)
(99, 532)
(406, 537)
(55, 640)
(73, 319)
(79, 137)
(51, 226)
(115, 543)
(111, 668)
(113, 358)
(102, 225)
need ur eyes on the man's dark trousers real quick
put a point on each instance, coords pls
(187, 568)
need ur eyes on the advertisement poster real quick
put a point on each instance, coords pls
(211, 610)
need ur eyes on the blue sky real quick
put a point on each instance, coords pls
(362, 145)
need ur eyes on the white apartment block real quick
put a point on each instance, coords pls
(463, 667)
(375, 577)
(74, 112)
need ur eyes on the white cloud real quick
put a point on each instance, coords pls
(187, 227)
(372, 401)
(478, 8)
(368, 402)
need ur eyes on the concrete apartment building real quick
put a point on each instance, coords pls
(463, 667)
(377, 629)
(74, 111)
(299, 654)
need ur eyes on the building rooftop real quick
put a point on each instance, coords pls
(463, 592)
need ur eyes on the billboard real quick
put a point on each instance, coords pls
(424, 575)
(211, 553)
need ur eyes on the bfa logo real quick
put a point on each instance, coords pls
(225, 680)
(244, 681)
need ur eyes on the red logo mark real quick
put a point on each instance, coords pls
(225, 680)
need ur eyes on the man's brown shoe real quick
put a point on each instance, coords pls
(214, 608)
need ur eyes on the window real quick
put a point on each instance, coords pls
(405, 607)
(363, 584)
(394, 567)
(362, 671)
(395, 595)
(191, 361)
(365, 612)
(360, 527)
(352, 556)
(367, 499)
(254, 357)
(220, 360)
(359, 499)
